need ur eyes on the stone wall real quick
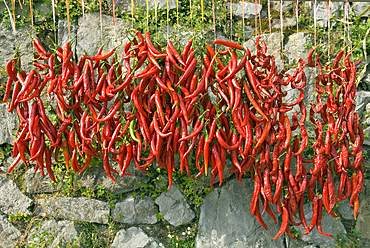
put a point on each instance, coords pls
(34, 210)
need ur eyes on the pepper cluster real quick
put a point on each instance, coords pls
(171, 112)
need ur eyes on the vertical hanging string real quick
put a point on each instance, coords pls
(147, 15)
(314, 20)
(114, 13)
(13, 9)
(201, 5)
(243, 24)
(348, 26)
(168, 19)
(345, 22)
(101, 21)
(214, 18)
(255, 16)
(315, 36)
(328, 28)
(69, 27)
(231, 19)
(55, 33)
(31, 11)
(191, 14)
(269, 14)
(20, 4)
(132, 12)
(177, 11)
(259, 15)
(281, 25)
(296, 12)
(10, 16)
(155, 17)
(83, 11)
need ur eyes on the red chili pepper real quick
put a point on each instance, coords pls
(284, 224)
(228, 44)
(207, 144)
(170, 167)
(265, 132)
(256, 192)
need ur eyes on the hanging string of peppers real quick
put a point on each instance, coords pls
(171, 113)
(147, 15)
(328, 12)
(255, 16)
(231, 19)
(69, 26)
(132, 12)
(269, 14)
(13, 10)
(296, 14)
(114, 13)
(10, 16)
(83, 11)
(101, 19)
(214, 18)
(31, 12)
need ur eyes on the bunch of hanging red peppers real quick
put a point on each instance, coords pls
(248, 121)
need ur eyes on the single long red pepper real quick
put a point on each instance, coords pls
(228, 44)
(284, 224)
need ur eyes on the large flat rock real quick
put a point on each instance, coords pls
(35, 183)
(274, 47)
(11, 198)
(295, 47)
(8, 124)
(225, 220)
(174, 208)
(55, 233)
(329, 225)
(8, 233)
(81, 209)
(93, 177)
(9, 41)
(91, 35)
(134, 237)
(363, 217)
(135, 211)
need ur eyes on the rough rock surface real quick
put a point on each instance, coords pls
(287, 22)
(35, 183)
(112, 34)
(345, 210)
(295, 47)
(287, 5)
(362, 99)
(58, 233)
(134, 237)
(10, 41)
(160, 5)
(8, 233)
(135, 211)
(93, 177)
(363, 217)
(359, 7)
(174, 208)
(225, 219)
(329, 225)
(11, 198)
(8, 124)
(81, 209)
(63, 36)
(273, 42)
(322, 11)
(309, 92)
(249, 10)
